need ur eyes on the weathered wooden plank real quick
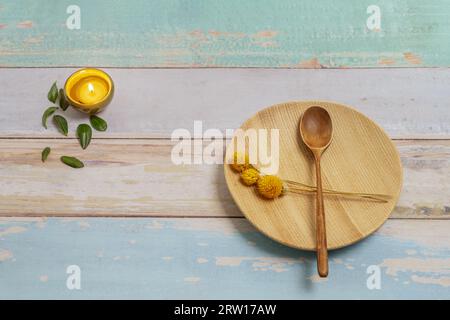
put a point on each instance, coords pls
(126, 177)
(152, 103)
(176, 33)
(213, 259)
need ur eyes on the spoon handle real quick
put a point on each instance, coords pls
(321, 234)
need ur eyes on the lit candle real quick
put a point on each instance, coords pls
(89, 90)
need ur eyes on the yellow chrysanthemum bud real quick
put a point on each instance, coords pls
(240, 162)
(250, 176)
(270, 187)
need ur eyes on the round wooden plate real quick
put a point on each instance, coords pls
(361, 158)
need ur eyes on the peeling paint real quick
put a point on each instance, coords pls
(229, 34)
(415, 232)
(33, 40)
(430, 265)
(412, 58)
(202, 260)
(259, 263)
(442, 281)
(192, 279)
(266, 34)
(25, 24)
(223, 226)
(386, 62)
(8, 220)
(224, 34)
(12, 230)
(5, 255)
(315, 278)
(311, 64)
(420, 210)
(230, 261)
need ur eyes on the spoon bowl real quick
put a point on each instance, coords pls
(316, 130)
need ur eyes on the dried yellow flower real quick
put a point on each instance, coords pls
(270, 187)
(240, 162)
(250, 176)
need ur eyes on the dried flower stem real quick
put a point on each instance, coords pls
(298, 187)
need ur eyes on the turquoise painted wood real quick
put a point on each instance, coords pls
(213, 258)
(232, 33)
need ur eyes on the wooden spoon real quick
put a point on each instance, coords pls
(316, 131)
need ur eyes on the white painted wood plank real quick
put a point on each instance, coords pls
(126, 177)
(407, 103)
(213, 259)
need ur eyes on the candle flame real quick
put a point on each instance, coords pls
(90, 88)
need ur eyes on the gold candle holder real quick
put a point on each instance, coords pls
(89, 90)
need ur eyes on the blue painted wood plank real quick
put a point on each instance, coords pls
(213, 258)
(233, 33)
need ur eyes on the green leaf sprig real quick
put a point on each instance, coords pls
(98, 123)
(61, 124)
(52, 95)
(83, 133)
(72, 162)
(63, 103)
(47, 113)
(45, 154)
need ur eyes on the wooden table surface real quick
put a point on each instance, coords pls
(139, 226)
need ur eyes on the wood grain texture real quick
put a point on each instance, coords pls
(213, 259)
(361, 158)
(268, 33)
(136, 177)
(407, 103)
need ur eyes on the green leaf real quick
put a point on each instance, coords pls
(47, 113)
(72, 162)
(61, 124)
(98, 123)
(45, 154)
(84, 135)
(53, 93)
(63, 103)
